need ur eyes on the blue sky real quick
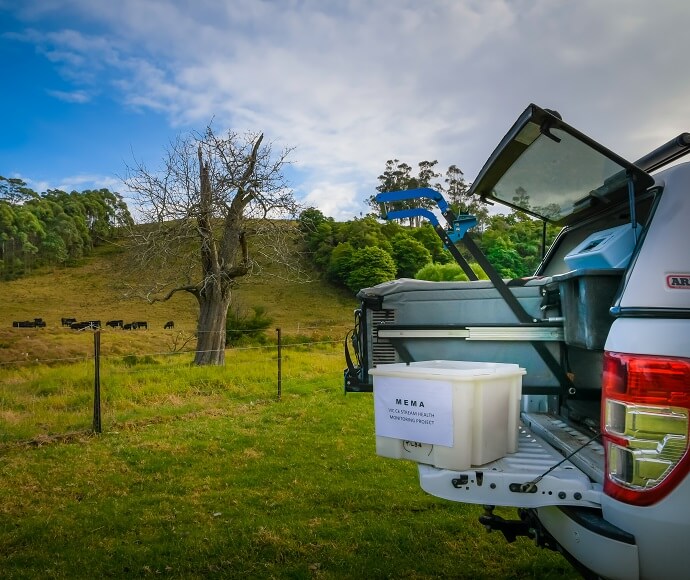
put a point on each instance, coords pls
(88, 86)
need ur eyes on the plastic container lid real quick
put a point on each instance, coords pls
(447, 368)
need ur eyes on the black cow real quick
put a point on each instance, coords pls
(114, 323)
(170, 324)
(39, 323)
(24, 324)
(140, 324)
(67, 321)
(86, 324)
(127, 326)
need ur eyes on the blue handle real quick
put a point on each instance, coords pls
(393, 196)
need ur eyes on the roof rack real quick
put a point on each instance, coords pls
(667, 153)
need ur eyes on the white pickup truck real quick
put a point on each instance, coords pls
(601, 468)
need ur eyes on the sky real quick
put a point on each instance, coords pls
(90, 86)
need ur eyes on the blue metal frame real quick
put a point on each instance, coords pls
(459, 226)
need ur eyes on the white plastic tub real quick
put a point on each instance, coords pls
(450, 414)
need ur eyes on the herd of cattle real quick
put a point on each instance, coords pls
(90, 324)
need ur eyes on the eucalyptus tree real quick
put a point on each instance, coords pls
(14, 190)
(212, 195)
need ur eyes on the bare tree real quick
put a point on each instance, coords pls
(197, 216)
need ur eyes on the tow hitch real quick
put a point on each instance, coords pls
(528, 525)
(510, 529)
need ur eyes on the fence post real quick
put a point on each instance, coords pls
(280, 364)
(97, 381)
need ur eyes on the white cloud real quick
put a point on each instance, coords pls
(89, 181)
(334, 200)
(73, 183)
(354, 83)
(79, 97)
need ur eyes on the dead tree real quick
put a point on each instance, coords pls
(213, 199)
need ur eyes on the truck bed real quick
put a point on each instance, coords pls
(567, 439)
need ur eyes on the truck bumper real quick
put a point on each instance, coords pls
(603, 549)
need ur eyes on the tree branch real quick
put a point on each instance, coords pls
(153, 299)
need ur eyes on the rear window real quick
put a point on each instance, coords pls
(558, 178)
(552, 171)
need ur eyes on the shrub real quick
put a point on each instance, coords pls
(409, 255)
(432, 242)
(242, 327)
(340, 262)
(131, 360)
(370, 266)
(447, 273)
(505, 258)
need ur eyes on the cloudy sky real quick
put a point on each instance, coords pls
(90, 85)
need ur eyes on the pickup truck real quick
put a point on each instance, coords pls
(600, 468)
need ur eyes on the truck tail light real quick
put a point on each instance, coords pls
(645, 418)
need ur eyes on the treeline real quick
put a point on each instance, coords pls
(53, 227)
(364, 252)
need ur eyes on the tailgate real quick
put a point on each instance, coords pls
(537, 475)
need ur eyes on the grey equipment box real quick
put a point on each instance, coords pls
(586, 298)
(420, 320)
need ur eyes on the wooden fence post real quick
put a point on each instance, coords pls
(97, 381)
(280, 364)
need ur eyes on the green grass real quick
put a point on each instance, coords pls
(202, 472)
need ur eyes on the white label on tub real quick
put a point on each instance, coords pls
(419, 410)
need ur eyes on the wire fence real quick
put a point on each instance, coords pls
(54, 396)
(298, 336)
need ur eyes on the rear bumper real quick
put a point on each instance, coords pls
(600, 547)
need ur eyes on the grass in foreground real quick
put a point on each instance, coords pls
(203, 473)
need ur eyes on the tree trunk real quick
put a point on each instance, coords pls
(213, 311)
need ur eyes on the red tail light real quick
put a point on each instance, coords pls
(645, 417)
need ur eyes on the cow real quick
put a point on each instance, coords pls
(140, 324)
(94, 324)
(169, 325)
(127, 326)
(35, 323)
(114, 323)
(67, 321)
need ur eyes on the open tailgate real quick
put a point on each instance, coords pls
(535, 476)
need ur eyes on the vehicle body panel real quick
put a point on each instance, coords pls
(660, 531)
(664, 252)
(606, 557)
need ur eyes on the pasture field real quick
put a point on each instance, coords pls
(203, 472)
(94, 290)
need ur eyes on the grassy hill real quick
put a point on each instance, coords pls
(92, 291)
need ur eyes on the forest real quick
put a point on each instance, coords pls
(54, 228)
(366, 251)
